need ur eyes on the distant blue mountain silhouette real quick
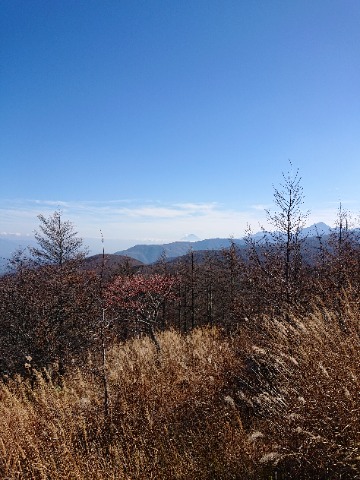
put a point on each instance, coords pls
(151, 253)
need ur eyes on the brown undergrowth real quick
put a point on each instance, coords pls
(278, 399)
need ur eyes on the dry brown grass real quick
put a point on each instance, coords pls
(303, 388)
(277, 402)
(168, 419)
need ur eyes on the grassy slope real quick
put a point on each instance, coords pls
(272, 401)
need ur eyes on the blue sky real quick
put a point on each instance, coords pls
(154, 119)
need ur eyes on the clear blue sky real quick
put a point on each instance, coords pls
(154, 119)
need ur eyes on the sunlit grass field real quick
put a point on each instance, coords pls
(279, 398)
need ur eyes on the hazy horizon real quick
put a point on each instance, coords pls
(110, 245)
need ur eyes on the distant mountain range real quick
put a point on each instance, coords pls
(151, 253)
(148, 254)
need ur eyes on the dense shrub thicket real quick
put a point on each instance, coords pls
(54, 315)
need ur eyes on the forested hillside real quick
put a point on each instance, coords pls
(242, 365)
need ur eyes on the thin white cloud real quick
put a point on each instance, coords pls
(139, 221)
(204, 207)
(151, 212)
(52, 203)
(261, 206)
(121, 218)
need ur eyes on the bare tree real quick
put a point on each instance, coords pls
(57, 241)
(338, 265)
(275, 261)
(288, 222)
(58, 250)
